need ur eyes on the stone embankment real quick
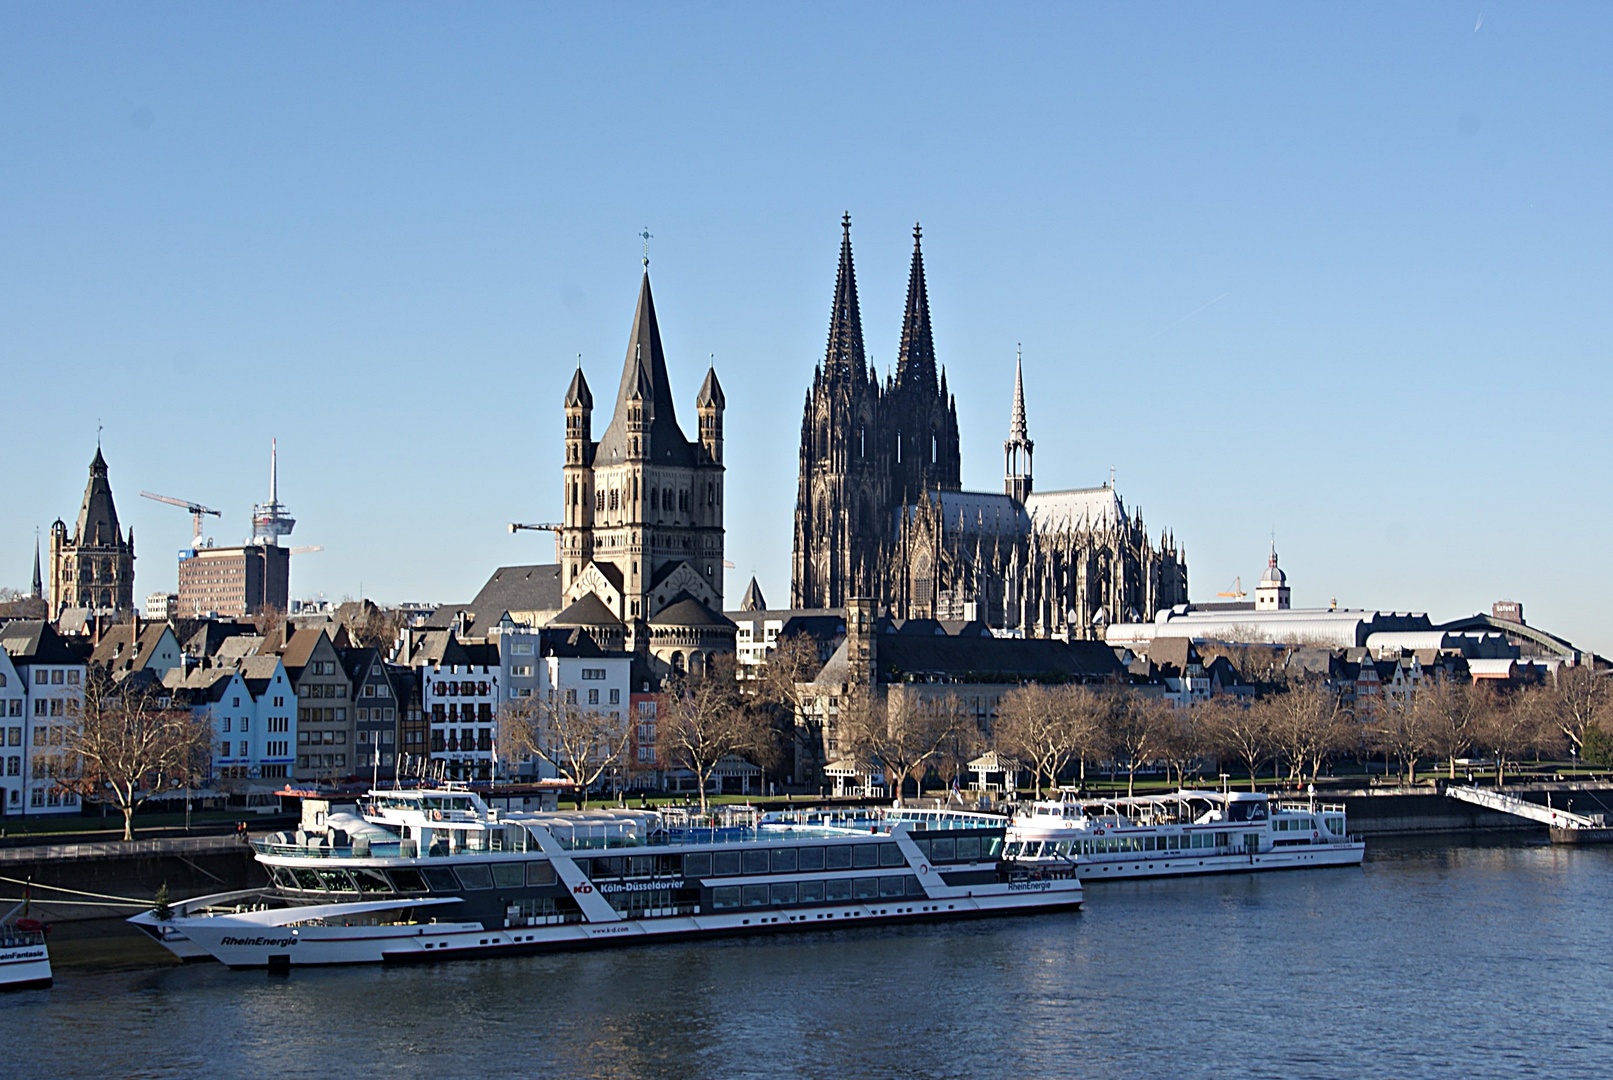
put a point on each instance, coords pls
(1407, 811)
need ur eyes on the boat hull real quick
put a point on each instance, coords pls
(25, 966)
(1143, 865)
(257, 946)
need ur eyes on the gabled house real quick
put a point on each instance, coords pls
(129, 647)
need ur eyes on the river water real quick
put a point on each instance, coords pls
(1466, 961)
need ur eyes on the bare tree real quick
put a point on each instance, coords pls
(1454, 710)
(1183, 739)
(901, 731)
(704, 719)
(124, 750)
(1515, 724)
(1134, 729)
(581, 744)
(1241, 731)
(781, 684)
(1578, 698)
(1049, 726)
(1399, 730)
(1305, 724)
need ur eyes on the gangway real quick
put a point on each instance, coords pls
(1511, 804)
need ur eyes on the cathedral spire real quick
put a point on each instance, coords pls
(845, 356)
(1018, 450)
(1016, 426)
(916, 363)
(38, 589)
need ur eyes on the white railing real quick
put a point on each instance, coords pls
(1511, 804)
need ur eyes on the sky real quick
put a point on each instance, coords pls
(1334, 274)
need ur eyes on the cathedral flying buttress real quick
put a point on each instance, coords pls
(881, 512)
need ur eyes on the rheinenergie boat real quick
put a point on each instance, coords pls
(435, 873)
(1182, 832)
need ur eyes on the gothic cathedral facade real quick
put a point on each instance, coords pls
(881, 514)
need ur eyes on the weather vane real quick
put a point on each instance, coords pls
(645, 236)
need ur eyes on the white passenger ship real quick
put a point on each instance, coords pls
(434, 874)
(1183, 832)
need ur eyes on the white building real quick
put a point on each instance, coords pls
(461, 692)
(51, 674)
(252, 710)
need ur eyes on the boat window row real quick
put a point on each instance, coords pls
(792, 860)
(1293, 824)
(960, 848)
(403, 879)
(1116, 845)
(608, 868)
(830, 891)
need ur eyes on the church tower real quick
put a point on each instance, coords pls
(1272, 592)
(921, 419)
(1017, 451)
(644, 505)
(842, 518)
(94, 567)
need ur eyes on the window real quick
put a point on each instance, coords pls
(41, 677)
(571, 697)
(593, 674)
(725, 898)
(615, 697)
(593, 697)
(56, 677)
(226, 726)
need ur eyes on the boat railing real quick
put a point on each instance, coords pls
(13, 938)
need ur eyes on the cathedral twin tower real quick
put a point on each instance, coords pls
(881, 514)
(868, 448)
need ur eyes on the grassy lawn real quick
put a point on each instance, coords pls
(69, 825)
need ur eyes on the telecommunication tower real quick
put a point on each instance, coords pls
(270, 521)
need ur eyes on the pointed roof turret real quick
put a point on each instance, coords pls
(38, 589)
(845, 356)
(577, 394)
(1017, 430)
(915, 366)
(97, 516)
(644, 379)
(752, 600)
(711, 392)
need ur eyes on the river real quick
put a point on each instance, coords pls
(1430, 960)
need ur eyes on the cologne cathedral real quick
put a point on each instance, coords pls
(880, 511)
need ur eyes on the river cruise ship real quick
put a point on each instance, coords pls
(434, 874)
(1183, 832)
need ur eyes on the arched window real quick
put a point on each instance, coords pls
(898, 448)
(935, 444)
(677, 662)
(655, 498)
(599, 500)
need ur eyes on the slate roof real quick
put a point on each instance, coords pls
(645, 381)
(752, 600)
(587, 610)
(518, 588)
(689, 612)
(34, 641)
(210, 635)
(122, 651)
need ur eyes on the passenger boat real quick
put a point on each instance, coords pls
(24, 956)
(435, 873)
(1183, 832)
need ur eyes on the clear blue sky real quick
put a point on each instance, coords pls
(1337, 271)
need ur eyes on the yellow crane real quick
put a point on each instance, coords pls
(196, 511)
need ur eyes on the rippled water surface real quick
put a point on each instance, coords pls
(1428, 961)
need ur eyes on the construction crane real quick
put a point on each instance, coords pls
(544, 526)
(306, 549)
(1236, 592)
(196, 512)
